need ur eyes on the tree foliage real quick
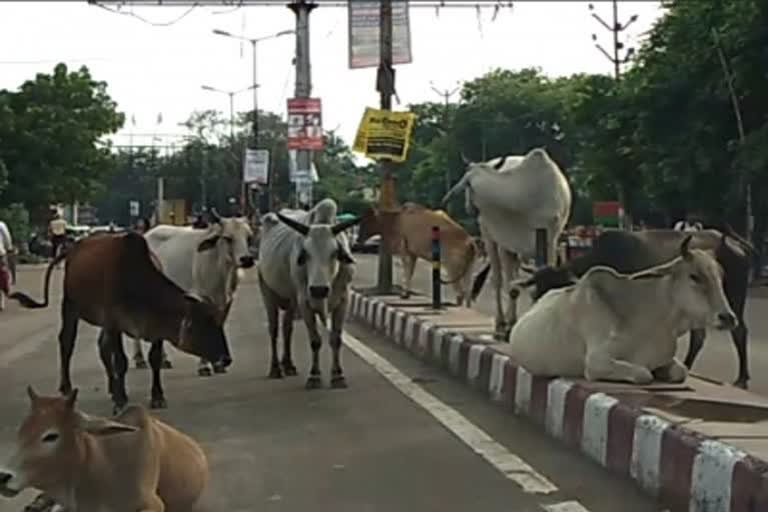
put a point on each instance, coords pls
(50, 130)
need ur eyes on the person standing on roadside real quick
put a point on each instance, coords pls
(57, 230)
(6, 246)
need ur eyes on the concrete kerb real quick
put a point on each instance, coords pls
(686, 471)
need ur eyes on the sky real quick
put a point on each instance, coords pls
(155, 70)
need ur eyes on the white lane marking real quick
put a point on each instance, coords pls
(565, 506)
(509, 464)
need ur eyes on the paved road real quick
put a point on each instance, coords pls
(402, 437)
(717, 360)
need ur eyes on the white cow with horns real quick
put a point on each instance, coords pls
(623, 327)
(205, 262)
(513, 196)
(305, 264)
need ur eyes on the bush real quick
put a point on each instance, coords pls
(17, 219)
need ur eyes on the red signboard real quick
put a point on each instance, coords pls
(305, 123)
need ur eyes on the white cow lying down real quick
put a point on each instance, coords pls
(623, 327)
(131, 463)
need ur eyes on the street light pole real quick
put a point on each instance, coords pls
(255, 121)
(446, 94)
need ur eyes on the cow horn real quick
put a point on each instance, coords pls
(501, 163)
(464, 159)
(296, 226)
(215, 217)
(33, 396)
(528, 268)
(338, 228)
(685, 251)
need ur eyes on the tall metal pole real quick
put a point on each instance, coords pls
(255, 120)
(303, 85)
(385, 84)
(446, 94)
(616, 30)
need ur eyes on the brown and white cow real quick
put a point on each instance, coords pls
(129, 463)
(412, 236)
(110, 281)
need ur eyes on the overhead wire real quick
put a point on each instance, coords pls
(148, 22)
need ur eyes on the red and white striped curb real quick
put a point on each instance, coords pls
(685, 470)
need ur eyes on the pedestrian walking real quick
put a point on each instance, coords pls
(142, 226)
(57, 230)
(6, 246)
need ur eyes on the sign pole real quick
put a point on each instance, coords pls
(385, 84)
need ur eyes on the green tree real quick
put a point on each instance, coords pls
(49, 137)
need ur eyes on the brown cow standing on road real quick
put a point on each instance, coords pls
(110, 281)
(412, 237)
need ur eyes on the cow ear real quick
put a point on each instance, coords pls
(208, 243)
(302, 259)
(103, 426)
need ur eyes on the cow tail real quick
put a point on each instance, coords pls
(30, 303)
(480, 279)
(469, 258)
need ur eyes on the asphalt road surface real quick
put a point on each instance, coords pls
(717, 360)
(403, 437)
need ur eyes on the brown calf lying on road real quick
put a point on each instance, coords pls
(112, 281)
(131, 463)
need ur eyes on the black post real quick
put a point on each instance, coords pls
(541, 247)
(436, 299)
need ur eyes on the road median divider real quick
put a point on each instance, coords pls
(696, 447)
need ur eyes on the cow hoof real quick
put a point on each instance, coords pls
(204, 371)
(741, 383)
(289, 370)
(405, 295)
(217, 368)
(158, 403)
(117, 409)
(339, 382)
(42, 503)
(275, 373)
(314, 382)
(141, 364)
(167, 365)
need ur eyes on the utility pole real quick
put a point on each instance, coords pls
(617, 61)
(446, 94)
(303, 84)
(385, 85)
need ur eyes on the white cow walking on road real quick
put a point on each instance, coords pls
(514, 196)
(623, 327)
(305, 264)
(204, 261)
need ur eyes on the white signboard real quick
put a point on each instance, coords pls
(304, 190)
(364, 33)
(133, 207)
(295, 173)
(256, 166)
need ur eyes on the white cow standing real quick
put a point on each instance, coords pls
(513, 196)
(623, 327)
(305, 265)
(204, 262)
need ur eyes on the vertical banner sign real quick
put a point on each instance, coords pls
(133, 208)
(256, 166)
(305, 124)
(363, 18)
(384, 134)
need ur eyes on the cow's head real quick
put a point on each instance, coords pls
(49, 443)
(697, 288)
(230, 237)
(202, 332)
(319, 256)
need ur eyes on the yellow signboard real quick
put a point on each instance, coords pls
(384, 134)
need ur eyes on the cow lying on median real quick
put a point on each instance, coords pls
(623, 327)
(629, 252)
